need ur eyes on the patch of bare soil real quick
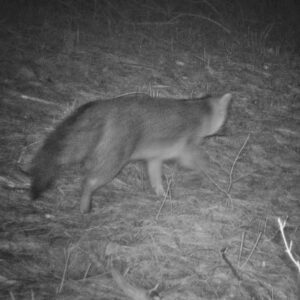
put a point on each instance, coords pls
(216, 235)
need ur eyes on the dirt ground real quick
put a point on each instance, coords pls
(216, 235)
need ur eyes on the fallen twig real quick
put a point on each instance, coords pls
(241, 248)
(131, 291)
(235, 160)
(35, 99)
(218, 187)
(169, 182)
(252, 251)
(234, 271)
(68, 253)
(201, 17)
(288, 246)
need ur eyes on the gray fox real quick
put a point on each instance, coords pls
(106, 134)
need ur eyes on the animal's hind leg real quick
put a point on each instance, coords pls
(101, 173)
(107, 159)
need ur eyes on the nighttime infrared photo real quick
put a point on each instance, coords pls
(150, 150)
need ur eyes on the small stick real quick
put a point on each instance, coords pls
(218, 187)
(32, 294)
(235, 273)
(201, 17)
(161, 206)
(153, 23)
(265, 225)
(65, 271)
(12, 295)
(255, 245)
(288, 247)
(235, 160)
(87, 271)
(165, 197)
(241, 248)
(131, 291)
(35, 99)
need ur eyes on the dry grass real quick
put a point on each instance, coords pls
(215, 236)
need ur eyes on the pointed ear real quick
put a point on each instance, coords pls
(219, 113)
(225, 100)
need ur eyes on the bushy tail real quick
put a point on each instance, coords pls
(69, 143)
(45, 167)
(219, 113)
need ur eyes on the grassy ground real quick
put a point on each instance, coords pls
(215, 236)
